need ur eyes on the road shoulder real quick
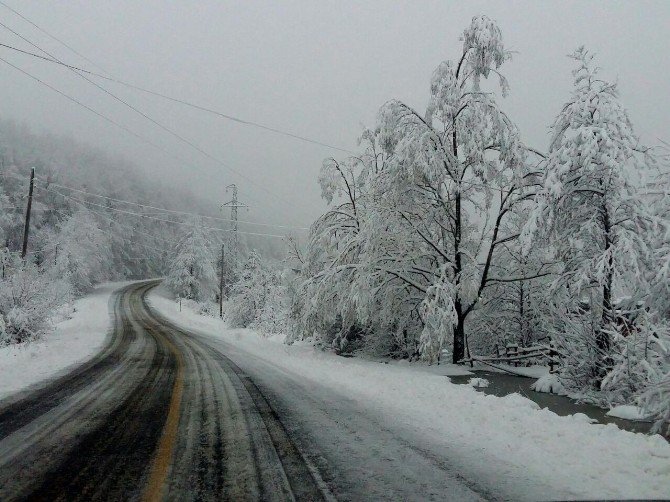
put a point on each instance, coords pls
(73, 342)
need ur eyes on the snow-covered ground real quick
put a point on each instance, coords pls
(73, 341)
(532, 451)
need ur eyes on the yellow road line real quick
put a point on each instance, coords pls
(163, 457)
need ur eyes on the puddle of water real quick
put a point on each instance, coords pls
(501, 384)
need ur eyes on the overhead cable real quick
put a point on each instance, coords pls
(144, 115)
(172, 211)
(181, 101)
(140, 215)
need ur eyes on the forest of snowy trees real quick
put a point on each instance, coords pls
(92, 220)
(445, 237)
(448, 236)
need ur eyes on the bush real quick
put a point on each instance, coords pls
(28, 298)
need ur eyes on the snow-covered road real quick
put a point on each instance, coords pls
(361, 454)
(404, 432)
(157, 414)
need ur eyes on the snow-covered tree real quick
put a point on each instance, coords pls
(599, 227)
(192, 270)
(412, 243)
(515, 311)
(11, 210)
(259, 298)
(658, 195)
(81, 252)
(330, 262)
(453, 177)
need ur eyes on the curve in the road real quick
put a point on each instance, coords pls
(158, 414)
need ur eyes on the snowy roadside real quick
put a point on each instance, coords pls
(72, 342)
(508, 438)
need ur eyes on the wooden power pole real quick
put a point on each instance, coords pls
(221, 285)
(26, 228)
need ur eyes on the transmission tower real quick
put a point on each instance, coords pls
(234, 205)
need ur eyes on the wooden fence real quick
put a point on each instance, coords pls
(514, 355)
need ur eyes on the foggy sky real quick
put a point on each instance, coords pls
(312, 68)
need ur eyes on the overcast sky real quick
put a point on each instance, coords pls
(318, 69)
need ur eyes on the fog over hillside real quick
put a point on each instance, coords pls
(372, 250)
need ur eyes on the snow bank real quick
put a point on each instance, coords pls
(508, 442)
(72, 342)
(516, 400)
(628, 412)
(581, 417)
(549, 384)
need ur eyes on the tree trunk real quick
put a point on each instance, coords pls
(522, 323)
(459, 330)
(603, 341)
(459, 338)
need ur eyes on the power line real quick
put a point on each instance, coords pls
(122, 237)
(147, 117)
(144, 115)
(181, 101)
(16, 176)
(79, 103)
(95, 112)
(122, 211)
(115, 222)
(164, 209)
(51, 36)
(41, 250)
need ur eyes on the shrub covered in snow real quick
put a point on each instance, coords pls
(655, 399)
(549, 384)
(28, 299)
(478, 382)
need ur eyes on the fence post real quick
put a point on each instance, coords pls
(512, 350)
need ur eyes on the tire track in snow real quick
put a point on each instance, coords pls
(158, 414)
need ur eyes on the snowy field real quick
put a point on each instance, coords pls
(73, 341)
(510, 438)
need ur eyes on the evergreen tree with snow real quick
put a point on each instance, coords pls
(192, 270)
(599, 227)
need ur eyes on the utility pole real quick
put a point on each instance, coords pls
(234, 204)
(26, 227)
(221, 285)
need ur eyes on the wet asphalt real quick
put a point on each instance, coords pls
(157, 415)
